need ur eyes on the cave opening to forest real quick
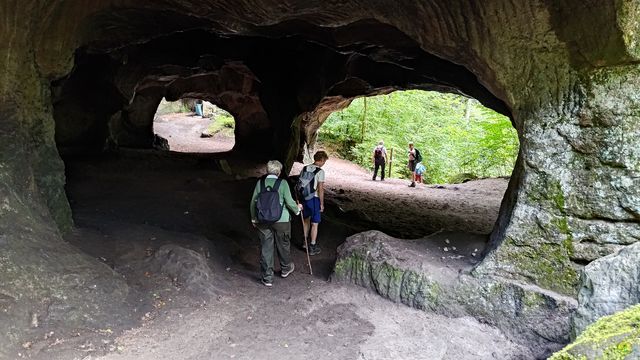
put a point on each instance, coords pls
(469, 152)
(276, 92)
(136, 205)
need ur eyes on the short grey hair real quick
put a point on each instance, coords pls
(380, 142)
(274, 167)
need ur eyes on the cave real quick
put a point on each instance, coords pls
(82, 82)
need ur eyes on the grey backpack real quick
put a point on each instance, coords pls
(305, 187)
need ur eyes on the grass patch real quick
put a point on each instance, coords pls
(223, 123)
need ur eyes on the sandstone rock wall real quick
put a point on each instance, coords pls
(564, 70)
(44, 281)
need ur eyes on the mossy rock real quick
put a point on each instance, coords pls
(614, 337)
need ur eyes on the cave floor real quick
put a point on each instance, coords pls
(128, 205)
(183, 133)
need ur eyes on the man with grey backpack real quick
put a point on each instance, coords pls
(270, 196)
(310, 188)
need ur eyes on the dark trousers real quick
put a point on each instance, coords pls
(379, 165)
(278, 234)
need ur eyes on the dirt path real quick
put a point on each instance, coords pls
(468, 208)
(173, 201)
(183, 131)
(415, 212)
(128, 207)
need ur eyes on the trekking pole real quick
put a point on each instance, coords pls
(304, 231)
(306, 243)
(390, 162)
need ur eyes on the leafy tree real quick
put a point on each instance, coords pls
(456, 135)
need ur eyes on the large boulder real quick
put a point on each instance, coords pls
(608, 285)
(400, 271)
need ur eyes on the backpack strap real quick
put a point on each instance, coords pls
(312, 189)
(276, 186)
(262, 183)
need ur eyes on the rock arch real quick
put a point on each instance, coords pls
(569, 90)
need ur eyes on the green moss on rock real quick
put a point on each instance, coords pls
(615, 337)
(547, 264)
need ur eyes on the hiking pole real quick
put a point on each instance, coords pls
(306, 243)
(304, 230)
(390, 162)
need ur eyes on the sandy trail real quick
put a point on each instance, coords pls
(183, 130)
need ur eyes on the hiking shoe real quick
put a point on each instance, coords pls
(284, 274)
(314, 249)
(412, 184)
(266, 283)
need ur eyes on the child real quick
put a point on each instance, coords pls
(420, 169)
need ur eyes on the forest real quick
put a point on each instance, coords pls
(458, 138)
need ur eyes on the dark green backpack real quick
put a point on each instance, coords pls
(418, 156)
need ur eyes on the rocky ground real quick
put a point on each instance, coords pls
(176, 227)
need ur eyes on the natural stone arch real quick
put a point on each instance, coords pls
(575, 184)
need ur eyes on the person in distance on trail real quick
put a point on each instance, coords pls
(270, 196)
(412, 164)
(311, 187)
(379, 160)
(420, 170)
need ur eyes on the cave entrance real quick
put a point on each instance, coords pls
(194, 126)
(468, 151)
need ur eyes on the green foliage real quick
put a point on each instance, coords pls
(455, 135)
(221, 121)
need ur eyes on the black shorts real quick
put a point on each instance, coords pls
(412, 165)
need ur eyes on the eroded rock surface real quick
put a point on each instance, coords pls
(398, 270)
(608, 285)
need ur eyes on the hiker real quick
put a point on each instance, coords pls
(379, 160)
(268, 216)
(311, 186)
(414, 158)
(199, 108)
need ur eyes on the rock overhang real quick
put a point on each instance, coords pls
(542, 60)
